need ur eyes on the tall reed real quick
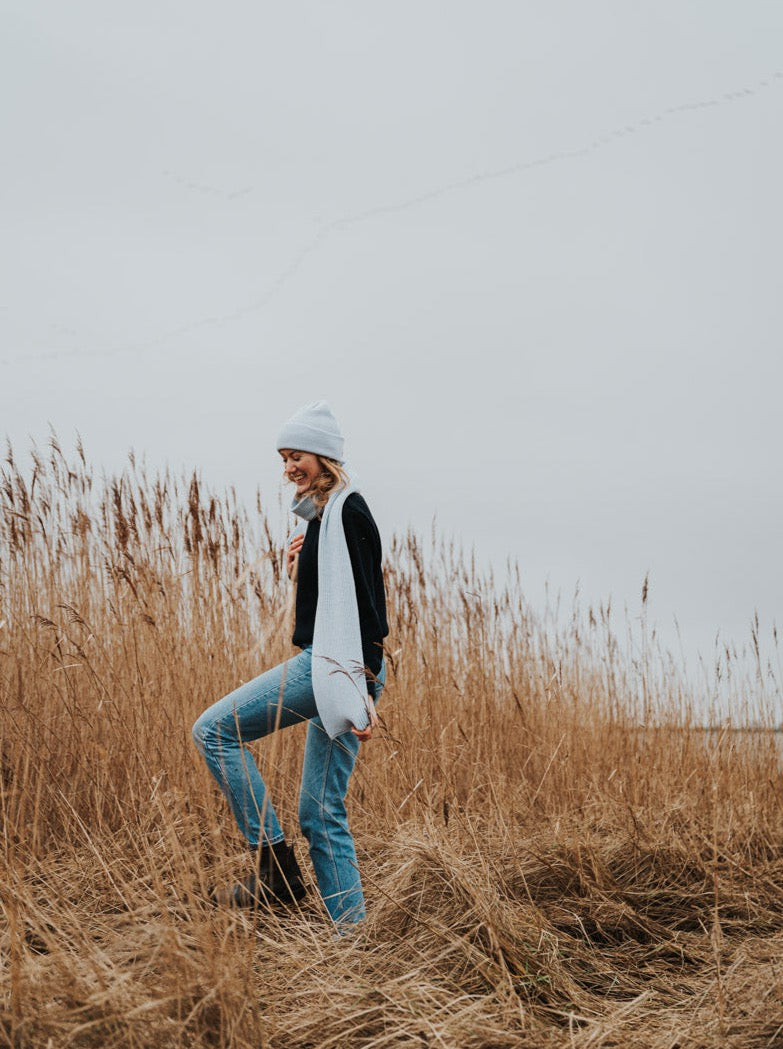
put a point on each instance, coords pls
(559, 846)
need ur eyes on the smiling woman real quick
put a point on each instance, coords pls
(334, 683)
(313, 475)
(302, 468)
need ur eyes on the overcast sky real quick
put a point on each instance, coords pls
(529, 252)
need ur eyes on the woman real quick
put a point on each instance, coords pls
(334, 682)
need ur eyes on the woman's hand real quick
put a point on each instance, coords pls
(293, 553)
(363, 734)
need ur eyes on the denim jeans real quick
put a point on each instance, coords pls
(279, 698)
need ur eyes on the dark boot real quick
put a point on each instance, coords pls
(276, 879)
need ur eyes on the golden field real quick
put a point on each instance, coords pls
(555, 852)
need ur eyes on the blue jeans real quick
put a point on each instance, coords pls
(279, 698)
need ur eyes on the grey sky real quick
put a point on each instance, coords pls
(530, 253)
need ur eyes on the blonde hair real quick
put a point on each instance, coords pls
(331, 478)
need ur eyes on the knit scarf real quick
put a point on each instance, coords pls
(339, 683)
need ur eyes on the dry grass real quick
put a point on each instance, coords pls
(542, 869)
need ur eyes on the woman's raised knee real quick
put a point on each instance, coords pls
(198, 732)
(207, 734)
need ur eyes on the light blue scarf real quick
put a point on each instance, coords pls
(339, 682)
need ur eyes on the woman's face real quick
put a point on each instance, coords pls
(300, 467)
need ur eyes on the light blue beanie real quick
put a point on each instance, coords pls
(313, 429)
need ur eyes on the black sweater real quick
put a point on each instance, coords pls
(364, 550)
